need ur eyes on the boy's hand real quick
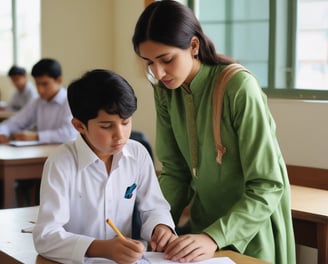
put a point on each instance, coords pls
(161, 237)
(25, 136)
(191, 248)
(3, 139)
(123, 251)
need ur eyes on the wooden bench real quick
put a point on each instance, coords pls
(309, 190)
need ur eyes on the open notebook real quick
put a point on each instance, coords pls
(21, 143)
(157, 258)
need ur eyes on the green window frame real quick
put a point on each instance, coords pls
(264, 35)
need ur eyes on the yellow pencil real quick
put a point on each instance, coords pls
(115, 228)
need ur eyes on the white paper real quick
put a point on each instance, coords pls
(22, 143)
(158, 258)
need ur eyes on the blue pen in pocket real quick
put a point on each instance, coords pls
(129, 191)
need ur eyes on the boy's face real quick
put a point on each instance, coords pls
(19, 81)
(47, 86)
(106, 134)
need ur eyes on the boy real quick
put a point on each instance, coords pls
(25, 90)
(102, 174)
(46, 119)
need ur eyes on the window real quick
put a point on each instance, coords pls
(284, 43)
(312, 45)
(19, 33)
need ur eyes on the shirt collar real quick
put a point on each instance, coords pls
(60, 97)
(86, 155)
(205, 73)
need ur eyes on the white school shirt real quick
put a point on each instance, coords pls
(52, 120)
(20, 99)
(77, 196)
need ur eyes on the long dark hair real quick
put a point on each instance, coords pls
(174, 24)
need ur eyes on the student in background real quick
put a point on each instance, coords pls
(47, 118)
(101, 174)
(25, 90)
(243, 203)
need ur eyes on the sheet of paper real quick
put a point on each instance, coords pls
(27, 229)
(157, 258)
(21, 143)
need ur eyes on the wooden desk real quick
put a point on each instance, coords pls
(310, 219)
(4, 115)
(20, 163)
(18, 247)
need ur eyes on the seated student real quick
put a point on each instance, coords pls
(25, 90)
(88, 180)
(49, 114)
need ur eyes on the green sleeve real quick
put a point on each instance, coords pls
(261, 162)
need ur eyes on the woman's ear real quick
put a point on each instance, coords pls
(194, 45)
(78, 125)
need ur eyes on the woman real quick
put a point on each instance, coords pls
(243, 203)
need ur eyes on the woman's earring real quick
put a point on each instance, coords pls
(196, 56)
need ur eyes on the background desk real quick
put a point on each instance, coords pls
(18, 163)
(310, 219)
(17, 247)
(4, 115)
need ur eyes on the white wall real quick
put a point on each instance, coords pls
(79, 34)
(302, 129)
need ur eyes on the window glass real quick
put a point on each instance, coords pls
(6, 37)
(284, 43)
(239, 29)
(312, 45)
(19, 33)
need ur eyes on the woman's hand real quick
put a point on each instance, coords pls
(191, 248)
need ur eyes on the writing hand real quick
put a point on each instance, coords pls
(25, 136)
(3, 139)
(120, 250)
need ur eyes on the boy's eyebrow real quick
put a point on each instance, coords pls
(105, 121)
(111, 121)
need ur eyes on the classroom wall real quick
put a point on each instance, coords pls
(79, 33)
(83, 34)
(86, 34)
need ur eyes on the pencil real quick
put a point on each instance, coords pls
(115, 228)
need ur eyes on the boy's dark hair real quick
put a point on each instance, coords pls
(101, 90)
(49, 67)
(16, 70)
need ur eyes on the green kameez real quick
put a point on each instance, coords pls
(244, 203)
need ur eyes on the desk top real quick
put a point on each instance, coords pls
(19, 247)
(14, 244)
(11, 154)
(4, 115)
(309, 203)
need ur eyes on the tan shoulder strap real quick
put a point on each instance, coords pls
(217, 100)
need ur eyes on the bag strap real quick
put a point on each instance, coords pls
(217, 101)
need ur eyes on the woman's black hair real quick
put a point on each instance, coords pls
(174, 24)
